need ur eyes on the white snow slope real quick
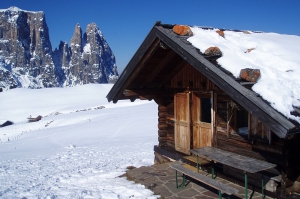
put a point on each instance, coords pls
(77, 150)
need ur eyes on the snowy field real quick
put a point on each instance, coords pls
(78, 149)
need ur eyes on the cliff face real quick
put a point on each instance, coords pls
(25, 50)
(27, 59)
(90, 57)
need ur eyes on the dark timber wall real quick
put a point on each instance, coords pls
(260, 143)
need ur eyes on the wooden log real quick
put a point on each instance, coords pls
(160, 159)
(162, 120)
(162, 144)
(224, 97)
(170, 129)
(162, 108)
(162, 139)
(171, 144)
(170, 123)
(268, 148)
(170, 105)
(221, 118)
(170, 138)
(222, 105)
(222, 130)
(162, 114)
(170, 110)
(162, 133)
(236, 140)
(221, 123)
(170, 117)
(162, 126)
(241, 149)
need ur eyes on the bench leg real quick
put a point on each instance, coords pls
(220, 195)
(183, 180)
(212, 170)
(176, 179)
(197, 163)
(246, 185)
(262, 185)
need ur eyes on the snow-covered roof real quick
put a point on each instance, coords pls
(274, 99)
(275, 55)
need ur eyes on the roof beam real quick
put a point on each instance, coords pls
(143, 92)
(151, 42)
(176, 70)
(143, 62)
(158, 68)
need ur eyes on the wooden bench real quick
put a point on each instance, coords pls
(222, 188)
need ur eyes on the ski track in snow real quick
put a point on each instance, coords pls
(78, 154)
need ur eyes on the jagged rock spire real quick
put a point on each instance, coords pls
(27, 59)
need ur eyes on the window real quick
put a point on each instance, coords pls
(205, 110)
(237, 120)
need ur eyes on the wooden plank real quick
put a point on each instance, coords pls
(243, 163)
(257, 154)
(204, 179)
(158, 68)
(172, 73)
(202, 161)
(151, 42)
(182, 122)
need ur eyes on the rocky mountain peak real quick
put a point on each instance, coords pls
(76, 41)
(92, 58)
(27, 59)
(26, 51)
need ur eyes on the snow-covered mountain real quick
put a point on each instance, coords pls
(27, 59)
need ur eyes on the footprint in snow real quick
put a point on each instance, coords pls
(71, 146)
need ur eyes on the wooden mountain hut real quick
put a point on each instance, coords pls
(202, 104)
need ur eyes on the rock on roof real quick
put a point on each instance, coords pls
(275, 55)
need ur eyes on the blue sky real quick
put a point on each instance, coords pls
(125, 24)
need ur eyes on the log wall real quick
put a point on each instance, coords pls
(162, 126)
(260, 143)
(190, 78)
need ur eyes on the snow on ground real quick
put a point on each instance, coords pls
(276, 56)
(79, 148)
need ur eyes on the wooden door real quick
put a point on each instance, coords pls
(182, 122)
(201, 119)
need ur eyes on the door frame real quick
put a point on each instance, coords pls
(199, 127)
(191, 114)
(182, 127)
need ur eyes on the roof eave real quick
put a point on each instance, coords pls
(248, 99)
(116, 91)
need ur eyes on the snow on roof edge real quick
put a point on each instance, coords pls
(275, 55)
